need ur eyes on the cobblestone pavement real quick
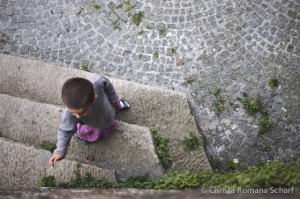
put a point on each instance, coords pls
(148, 194)
(214, 50)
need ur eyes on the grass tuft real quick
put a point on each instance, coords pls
(137, 18)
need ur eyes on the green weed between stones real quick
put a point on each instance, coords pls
(191, 141)
(85, 181)
(265, 124)
(231, 166)
(4, 39)
(81, 11)
(48, 145)
(189, 80)
(162, 148)
(267, 148)
(137, 18)
(85, 66)
(162, 32)
(129, 7)
(216, 164)
(95, 5)
(273, 174)
(273, 82)
(48, 181)
(142, 32)
(219, 104)
(289, 120)
(156, 54)
(174, 51)
(254, 106)
(264, 148)
(139, 182)
(116, 25)
(120, 6)
(125, 5)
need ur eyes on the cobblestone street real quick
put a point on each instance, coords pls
(214, 50)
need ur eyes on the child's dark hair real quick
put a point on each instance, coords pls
(77, 93)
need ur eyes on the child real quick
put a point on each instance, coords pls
(89, 113)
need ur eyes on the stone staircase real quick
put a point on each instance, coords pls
(30, 112)
(23, 166)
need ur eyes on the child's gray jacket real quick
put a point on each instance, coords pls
(100, 116)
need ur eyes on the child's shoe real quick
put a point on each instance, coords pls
(122, 105)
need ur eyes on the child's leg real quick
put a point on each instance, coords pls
(105, 133)
(87, 134)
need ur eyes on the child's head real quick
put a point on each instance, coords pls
(78, 94)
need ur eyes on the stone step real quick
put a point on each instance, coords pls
(166, 110)
(130, 150)
(23, 166)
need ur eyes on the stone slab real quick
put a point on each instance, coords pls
(23, 166)
(130, 150)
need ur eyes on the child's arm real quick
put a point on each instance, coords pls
(65, 132)
(63, 140)
(119, 104)
(109, 90)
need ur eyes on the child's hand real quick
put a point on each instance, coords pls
(54, 159)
